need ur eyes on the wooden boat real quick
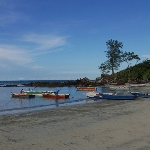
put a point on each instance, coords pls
(138, 94)
(55, 96)
(92, 94)
(96, 95)
(36, 93)
(119, 95)
(22, 95)
(86, 88)
(137, 85)
(125, 88)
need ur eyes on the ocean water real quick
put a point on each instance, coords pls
(9, 105)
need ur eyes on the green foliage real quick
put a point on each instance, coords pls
(129, 56)
(116, 57)
(138, 72)
(113, 54)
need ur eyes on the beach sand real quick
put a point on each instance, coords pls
(106, 125)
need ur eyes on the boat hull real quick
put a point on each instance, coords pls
(36, 93)
(56, 96)
(86, 88)
(118, 97)
(137, 94)
(14, 95)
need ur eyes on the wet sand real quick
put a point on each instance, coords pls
(106, 125)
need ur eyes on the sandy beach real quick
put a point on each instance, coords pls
(106, 125)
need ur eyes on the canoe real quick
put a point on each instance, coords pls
(15, 95)
(55, 96)
(86, 88)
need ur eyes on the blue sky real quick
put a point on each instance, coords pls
(66, 39)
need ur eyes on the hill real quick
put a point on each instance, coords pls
(140, 73)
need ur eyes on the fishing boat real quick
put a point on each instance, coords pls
(86, 88)
(92, 94)
(22, 95)
(55, 96)
(36, 93)
(121, 88)
(119, 95)
(138, 94)
(137, 85)
(96, 95)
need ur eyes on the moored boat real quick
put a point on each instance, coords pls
(119, 95)
(92, 94)
(138, 94)
(137, 85)
(86, 88)
(22, 95)
(55, 96)
(36, 93)
(121, 88)
(96, 94)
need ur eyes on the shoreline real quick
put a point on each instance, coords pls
(88, 126)
(106, 125)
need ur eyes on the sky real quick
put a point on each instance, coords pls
(66, 39)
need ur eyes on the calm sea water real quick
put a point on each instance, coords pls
(9, 105)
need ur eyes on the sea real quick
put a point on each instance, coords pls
(9, 105)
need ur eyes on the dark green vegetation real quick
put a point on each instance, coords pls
(116, 56)
(138, 73)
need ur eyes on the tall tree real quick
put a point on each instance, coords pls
(113, 54)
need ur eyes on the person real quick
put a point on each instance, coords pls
(21, 91)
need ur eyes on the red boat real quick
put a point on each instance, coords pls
(20, 95)
(55, 96)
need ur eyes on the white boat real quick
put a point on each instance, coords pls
(122, 88)
(91, 94)
(95, 94)
(137, 85)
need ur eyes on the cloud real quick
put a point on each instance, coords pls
(146, 56)
(45, 42)
(14, 55)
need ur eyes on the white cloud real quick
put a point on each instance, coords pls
(14, 55)
(146, 56)
(46, 42)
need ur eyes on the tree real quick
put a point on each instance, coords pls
(113, 54)
(129, 56)
(116, 56)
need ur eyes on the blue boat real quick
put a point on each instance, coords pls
(120, 95)
(138, 94)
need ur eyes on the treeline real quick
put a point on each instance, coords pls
(115, 57)
(138, 73)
